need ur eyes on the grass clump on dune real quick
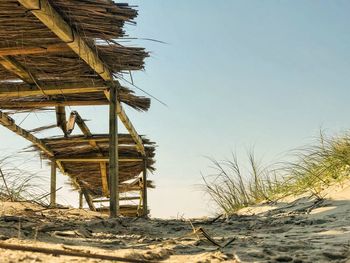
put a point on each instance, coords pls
(313, 169)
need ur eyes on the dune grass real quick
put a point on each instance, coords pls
(233, 186)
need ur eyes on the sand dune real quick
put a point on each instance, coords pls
(299, 229)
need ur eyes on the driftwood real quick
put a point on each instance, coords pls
(59, 252)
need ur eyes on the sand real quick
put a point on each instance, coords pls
(301, 229)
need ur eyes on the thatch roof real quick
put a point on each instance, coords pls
(78, 147)
(40, 70)
(99, 22)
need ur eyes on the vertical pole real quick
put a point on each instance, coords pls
(113, 153)
(80, 200)
(53, 184)
(144, 188)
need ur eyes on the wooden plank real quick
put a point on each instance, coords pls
(113, 155)
(50, 103)
(97, 159)
(54, 48)
(53, 184)
(127, 198)
(69, 88)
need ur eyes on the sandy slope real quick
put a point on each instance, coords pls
(294, 230)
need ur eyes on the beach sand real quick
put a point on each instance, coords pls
(301, 229)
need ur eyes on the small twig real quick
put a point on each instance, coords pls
(215, 219)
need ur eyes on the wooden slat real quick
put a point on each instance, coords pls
(54, 48)
(96, 159)
(69, 88)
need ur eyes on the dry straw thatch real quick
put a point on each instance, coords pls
(49, 63)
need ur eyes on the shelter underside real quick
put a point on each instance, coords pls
(58, 53)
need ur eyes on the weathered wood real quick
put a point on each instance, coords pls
(88, 199)
(61, 119)
(127, 198)
(16, 68)
(128, 125)
(53, 184)
(53, 20)
(104, 180)
(113, 154)
(10, 124)
(97, 159)
(61, 252)
(80, 200)
(51, 103)
(61, 89)
(144, 189)
(54, 48)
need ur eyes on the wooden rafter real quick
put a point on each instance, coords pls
(52, 19)
(16, 68)
(103, 165)
(66, 88)
(51, 103)
(54, 48)
(96, 159)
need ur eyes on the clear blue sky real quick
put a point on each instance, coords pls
(234, 74)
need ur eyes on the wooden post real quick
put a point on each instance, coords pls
(144, 189)
(80, 200)
(113, 153)
(88, 199)
(53, 184)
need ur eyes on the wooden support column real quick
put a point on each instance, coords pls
(113, 154)
(53, 184)
(88, 199)
(144, 189)
(80, 200)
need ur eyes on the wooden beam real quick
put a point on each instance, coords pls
(71, 88)
(144, 189)
(113, 154)
(52, 19)
(128, 125)
(88, 199)
(53, 184)
(53, 48)
(10, 124)
(61, 119)
(104, 181)
(16, 68)
(127, 198)
(50, 103)
(96, 159)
